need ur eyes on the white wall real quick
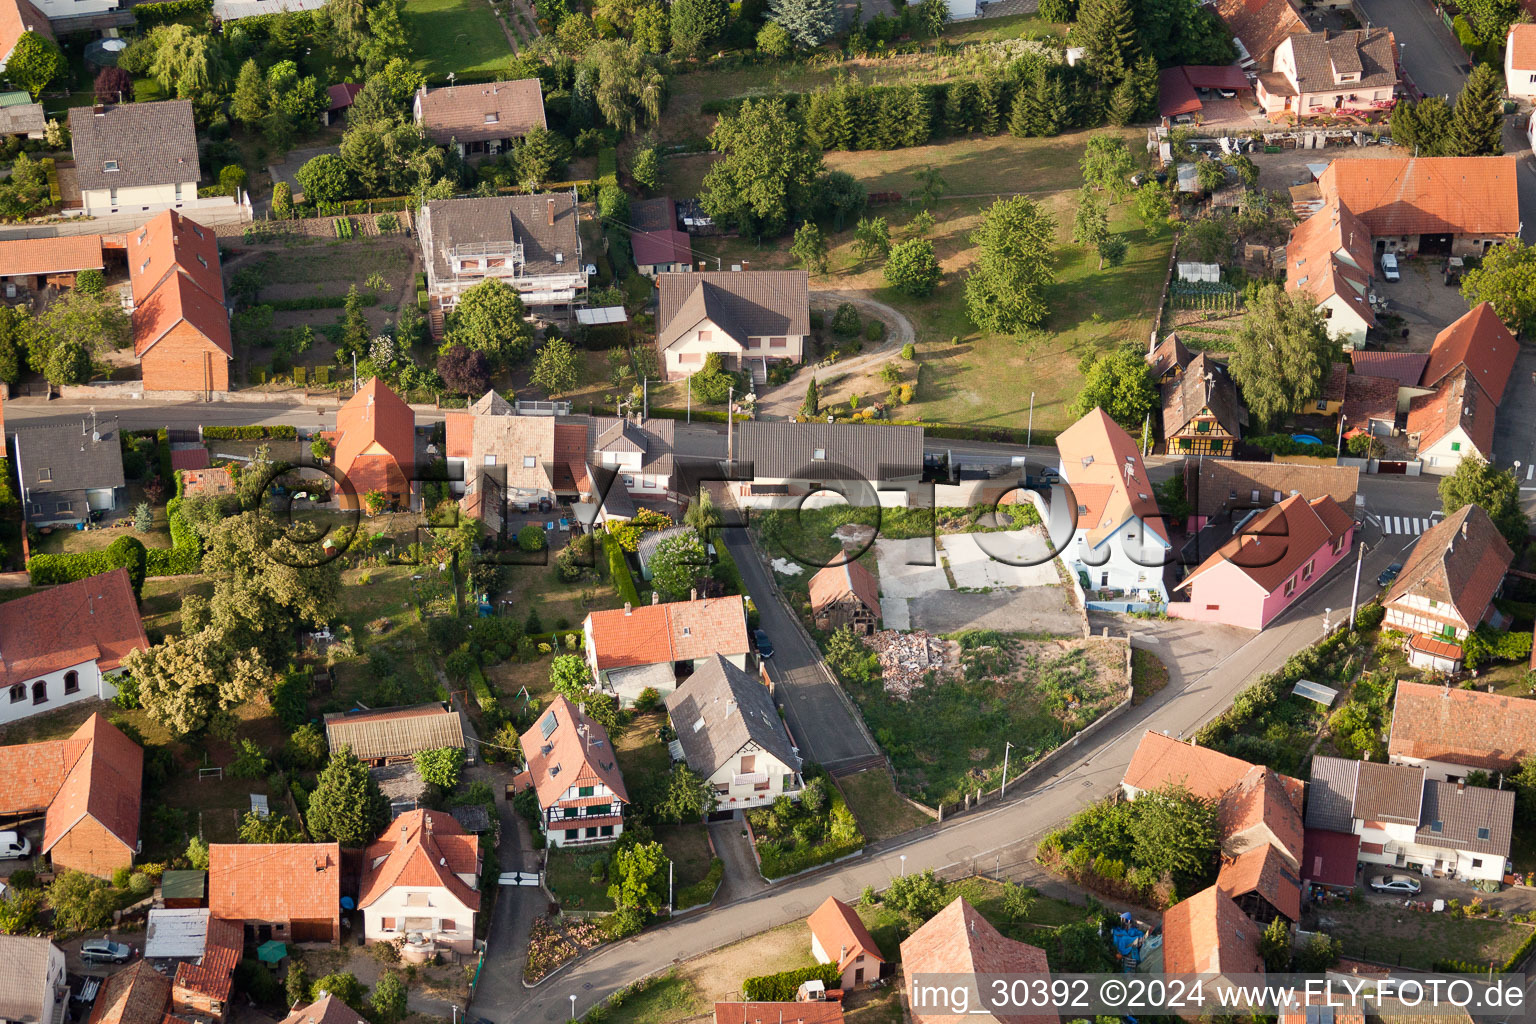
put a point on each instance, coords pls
(442, 905)
(93, 686)
(1344, 321)
(71, 8)
(741, 790)
(1130, 556)
(139, 198)
(1440, 460)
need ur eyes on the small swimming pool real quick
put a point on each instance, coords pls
(1306, 439)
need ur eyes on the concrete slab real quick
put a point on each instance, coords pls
(1028, 610)
(902, 569)
(982, 560)
(895, 613)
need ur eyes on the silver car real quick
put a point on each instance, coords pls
(100, 951)
(1402, 885)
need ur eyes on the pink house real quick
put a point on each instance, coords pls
(1271, 562)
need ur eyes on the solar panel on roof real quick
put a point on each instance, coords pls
(601, 315)
(548, 724)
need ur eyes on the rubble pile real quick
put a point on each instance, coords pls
(905, 658)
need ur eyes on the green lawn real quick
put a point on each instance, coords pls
(890, 927)
(569, 877)
(461, 36)
(1388, 934)
(687, 847)
(669, 997)
(882, 812)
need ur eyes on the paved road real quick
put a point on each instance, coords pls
(1214, 664)
(1429, 52)
(817, 713)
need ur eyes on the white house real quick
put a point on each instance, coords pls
(750, 317)
(1520, 62)
(1406, 820)
(1329, 258)
(630, 650)
(135, 157)
(575, 776)
(731, 734)
(1447, 586)
(1117, 537)
(66, 644)
(35, 990)
(421, 880)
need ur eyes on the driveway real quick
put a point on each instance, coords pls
(501, 981)
(1431, 58)
(1026, 610)
(818, 714)
(1422, 299)
(742, 879)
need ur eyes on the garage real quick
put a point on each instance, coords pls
(1435, 245)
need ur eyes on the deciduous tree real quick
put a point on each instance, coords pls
(440, 766)
(810, 248)
(464, 370)
(113, 85)
(1005, 292)
(1107, 165)
(696, 24)
(765, 173)
(1282, 354)
(557, 368)
(1120, 383)
(1507, 279)
(34, 62)
(677, 564)
(491, 318)
(912, 268)
(872, 238)
(638, 878)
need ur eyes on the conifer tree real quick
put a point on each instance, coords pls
(1477, 122)
(1107, 33)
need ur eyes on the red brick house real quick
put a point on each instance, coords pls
(180, 325)
(375, 446)
(285, 891)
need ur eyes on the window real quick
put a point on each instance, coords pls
(71, 682)
(1533, 77)
(706, 335)
(688, 358)
(778, 342)
(112, 196)
(1322, 406)
(819, 455)
(1477, 862)
(492, 118)
(1448, 632)
(1482, 833)
(1306, 570)
(18, 693)
(45, 476)
(178, 191)
(1455, 446)
(592, 832)
(1203, 426)
(605, 830)
(1186, 443)
(448, 924)
(387, 923)
(629, 480)
(569, 812)
(572, 834)
(1433, 603)
(1290, 586)
(40, 692)
(1437, 826)
(585, 790)
(111, 165)
(490, 460)
(600, 810)
(529, 461)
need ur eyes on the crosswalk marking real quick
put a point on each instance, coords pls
(1410, 526)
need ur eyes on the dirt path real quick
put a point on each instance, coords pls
(783, 402)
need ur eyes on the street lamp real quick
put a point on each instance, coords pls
(903, 865)
(1004, 791)
(573, 1006)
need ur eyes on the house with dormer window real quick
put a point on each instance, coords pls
(1202, 414)
(1318, 74)
(572, 770)
(136, 157)
(421, 881)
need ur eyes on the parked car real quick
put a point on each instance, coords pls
(1403, 884)
(1227, 94)
(764, 645)
(1389, 574)
(14, 846)
(100, 951)
(1389, 267)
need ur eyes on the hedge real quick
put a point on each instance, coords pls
(126, 552)
(618, 569)
(702, 891)
(149, 15)
(320, 301)
(252, 433)
(163, 450)
(782, 987)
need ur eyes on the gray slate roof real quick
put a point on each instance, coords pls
(781, 450)
(1331, 794)
(1367, 51)
(24, 994)
(654, 437)
(1462, 812)
(1389, 792)
(734, 709)
(743, 303)
(153, 144)
(454, 222)
(69, 454)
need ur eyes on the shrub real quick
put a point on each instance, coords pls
(909, 351)
(846, 321)
(782, 987)
(531, 538)
(874, 330)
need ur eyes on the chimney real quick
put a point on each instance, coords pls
(1461, 785)
(99, 110)
(693, 594)
(628, 609)
(702, 266)
(551, 207)
(655, 597)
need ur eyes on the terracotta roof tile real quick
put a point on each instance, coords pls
(1407, 368)
(341, 95)
(189, 458)
(477, 113)
(1369, 399)
(1460, 562)
(1220, 485)
(1262, 797)
(1481, 730)
(1481, 343)
(958, 940)
(1209, 934)
(1097, 451)
(1277, 542)
(105, 783)
(274, 881)
(835, 582)
(376, 440)
(212, 976)
(91, 619)
(168, 243)
(673, 631)
(325, 1010)
(656, 237)
(1472, 195)
(135, 995)
(411, 853)
(60, 255)
(1170, 353)
(1263, 870)
(840, 932)
(178, 300)
(1161, 760)
(18, 17)
(1260, 24)
(1388, 792)
(1329, 254)
(33, 773)
(573, 751)
(1521, 46)
(1457, 402)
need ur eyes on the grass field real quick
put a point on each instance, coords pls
(568, 875)
(1385, 933)
(882, 812)
(462, 36)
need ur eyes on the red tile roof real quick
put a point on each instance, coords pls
(34, 772)
(134, 995)
(1480, 342)
(1457, 402)
(1096, 452)
(170, 243)
(1462, 195)
(213, 975)
(189, 458)
(1369, 399)
(1329, 858)
(1261, 24)
(94, 619)
(178, 300)
(1262, 797)
(1481, 730)
(1521, 47)
(1263, 870)
(412, 852)
(674, 631)
(469, 113)
(1209, 934)
(104, 783)
(274, 881)
(341, 95)
(958, 940)
(1460, 562)
(841, 934)
(1329, 254)
(46, 255)
(575, 751)
(325, 1010)
(835, 582)
(1161, 760)
(1279, 541)
(376, 440)
(824, 1012)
